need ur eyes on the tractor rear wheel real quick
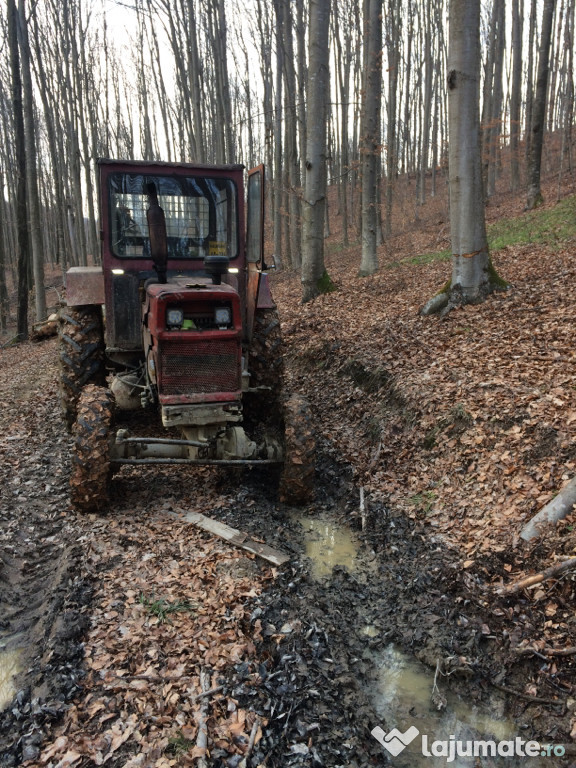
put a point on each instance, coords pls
(91, 468)
(297, 478)
(266, 365)
(81, 342)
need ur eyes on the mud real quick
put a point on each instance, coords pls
(43, 601)
(352, 606)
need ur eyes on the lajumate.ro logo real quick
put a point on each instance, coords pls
(395, 742)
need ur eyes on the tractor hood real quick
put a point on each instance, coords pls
(188, 305)
(188, 286)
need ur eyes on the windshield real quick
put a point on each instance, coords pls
(201, 215)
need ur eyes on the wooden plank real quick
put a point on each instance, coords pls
(236, 537)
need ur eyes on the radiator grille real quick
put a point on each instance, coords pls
(197, 367)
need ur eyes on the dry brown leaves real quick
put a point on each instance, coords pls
(469, 422)
(170, 607)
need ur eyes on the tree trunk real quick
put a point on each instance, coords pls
(492, 105)
(473, 276)
(314, 278)
(343, 66)
(302, 74)
(3, 289)
(428, 68)
(515, 94)
(371, 135)
(470, 256)
(35, 231)
(293, 190)
(21, 194)
(278, 196)
(393, 31)
(530, 80)
(539, 112)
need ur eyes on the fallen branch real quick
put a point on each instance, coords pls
(560, 506)
(202, 738)
(253, 733)
(543, 652)
(527, 696)
(163, 680)
(210, 692)
(528, 581)
(11, 342)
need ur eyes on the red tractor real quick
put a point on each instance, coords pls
(178, 324)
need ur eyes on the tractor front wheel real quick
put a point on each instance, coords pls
(81, 342)
(91, 468)
(297, 478)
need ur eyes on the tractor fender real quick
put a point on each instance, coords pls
(84, 285)
(264, 300)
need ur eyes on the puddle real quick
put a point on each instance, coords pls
(327, 545)
(401, 697)
(9, 668)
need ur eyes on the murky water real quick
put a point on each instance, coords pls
(401, 696)
(327, 545)
(402, 691)
(9, 668)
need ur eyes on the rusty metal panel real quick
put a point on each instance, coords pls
(84, 285)
(124, 313)
(265, 300)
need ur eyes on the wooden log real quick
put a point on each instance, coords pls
(528, 581)
(45, 328)
(560, 506)
(202, 738)
(236, 537)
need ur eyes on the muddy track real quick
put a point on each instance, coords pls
(41, 594)
(316, 687)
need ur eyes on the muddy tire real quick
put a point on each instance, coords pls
(81, 350)
(297, 477)
(91, 468)
(266, 366)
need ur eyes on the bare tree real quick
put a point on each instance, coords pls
(21, 193)
(493, 93)
(539, 113)
(393, 35)
(314, 276)
(371, 136)
(343, 56)
(30, 138)
(278, 102)
(473, 276)
(291, 143)
(515, 93)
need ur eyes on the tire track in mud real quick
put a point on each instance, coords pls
(313, 686)
(41, 594)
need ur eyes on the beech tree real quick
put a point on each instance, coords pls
(372, 98)
(315, 279)
(515, 95)
(21, 193)
(473, 276)
(539, 109)
(35, 231)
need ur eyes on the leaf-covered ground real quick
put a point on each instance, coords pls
(141, 633)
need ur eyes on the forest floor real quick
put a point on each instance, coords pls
(132, 631)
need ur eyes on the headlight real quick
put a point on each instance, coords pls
(222, 316)
(174, 317)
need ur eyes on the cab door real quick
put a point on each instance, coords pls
(254, 242)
